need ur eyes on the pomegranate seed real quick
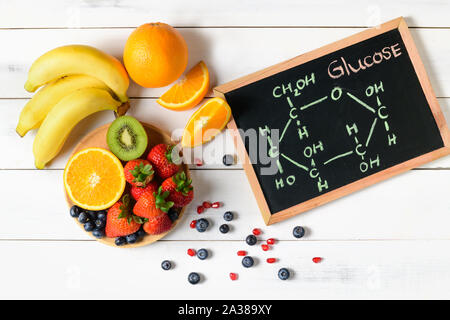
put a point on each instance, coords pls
(265, 247)
(271, 260)
(256, 232)
(242, 253)
(233, 276)
(271, 241)
(198, 162)
(215, 205)
(206, 204)
(317, 259)
(191, 252)
(193, 224)
(200, 209)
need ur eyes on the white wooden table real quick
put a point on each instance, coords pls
(391, 240)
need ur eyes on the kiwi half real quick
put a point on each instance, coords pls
(127, 138)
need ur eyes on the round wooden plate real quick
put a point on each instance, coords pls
(97, 138)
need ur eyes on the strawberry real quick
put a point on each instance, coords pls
(180, 188)
(152, 205)
(162, 159)
(119, 221)
(158, 225)
(138, 172)
(151, 187)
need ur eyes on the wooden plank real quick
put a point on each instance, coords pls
(147, 110)
(258, 48)
(414, 269)
(409, 206)
(125, 13)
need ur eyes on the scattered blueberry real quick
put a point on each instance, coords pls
(89, 226)
(283, 274)
(228, 216)
(166, 265)
(83, 217)
(298, 232)
(75, 211)
(101, 215)
(92, 215)
(194, 278)
(98, 233)
(100, 223)
(251, 240)
(120, 241)
(228, 159)
(202, 254)
(141, 233)
(132, 238)
(224, 228)
(173, 214)
(202, 225)
(247, 261)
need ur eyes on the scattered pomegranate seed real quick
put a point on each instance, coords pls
(271, 241)
(233, 276)
(317, 259)
(242, 253)
(206, 204)
(256, 232)
(265, 247)
(271, 260)
(215, 205)
(198, 162)
(193, 224)
(191, 252)
(200, 209)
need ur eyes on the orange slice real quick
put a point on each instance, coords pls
(206, 122)
(94, 179)
(188, 91)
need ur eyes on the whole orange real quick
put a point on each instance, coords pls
(155, 55)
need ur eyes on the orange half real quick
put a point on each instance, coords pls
(188, 91)
(206, 122)
(94, 179)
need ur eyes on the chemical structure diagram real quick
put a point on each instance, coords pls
(360, 136)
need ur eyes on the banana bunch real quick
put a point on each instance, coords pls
(78, 81)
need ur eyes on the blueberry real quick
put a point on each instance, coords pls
(251, 240)
(201, 225)
(75, 211)
(166, 265)
(228, 159)
(141, 233)
(298, 232)
(247, 261)
(98, 233)
(89, 226)
(202, 254)
(100, 223)
(283, 274)
(120, 241)
(92, 215)
(101, 215)
(83, 217)
(194, 278)
(173, 214)
(224, 228)
(132, 238)
(228, 216)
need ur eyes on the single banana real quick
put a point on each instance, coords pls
(45, 99)
(79, 59)
(64, 116)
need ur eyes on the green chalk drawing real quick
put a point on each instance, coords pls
(313, 103)
(365, 105)
(371, 131)
(280, 168)
(295, 163)
(386, 125)
(285, 128)
(338, 156)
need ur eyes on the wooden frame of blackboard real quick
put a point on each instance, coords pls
(400, 24)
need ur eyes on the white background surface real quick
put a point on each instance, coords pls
(391, 240)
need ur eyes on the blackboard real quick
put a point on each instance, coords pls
(350, 116)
